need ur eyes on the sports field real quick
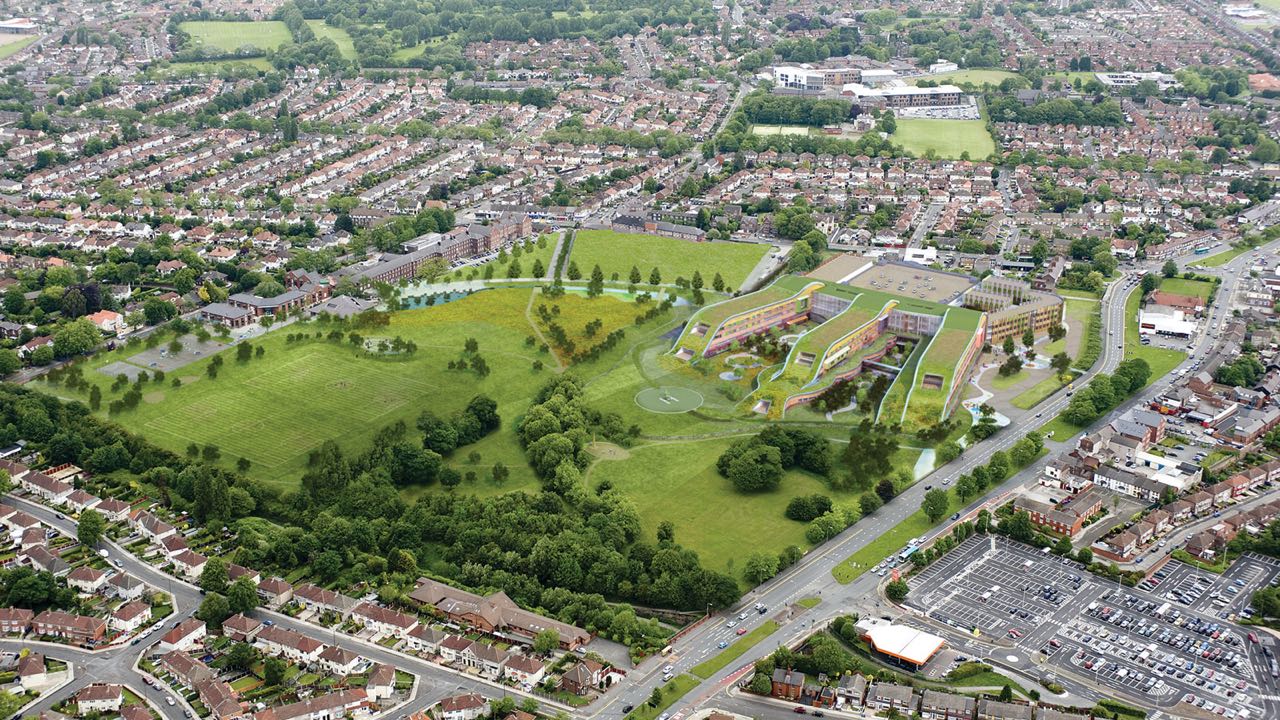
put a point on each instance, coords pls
(230, 36)
(780, 129)
(1181, 286)
(11, 45)
(947, 138)
(617, 252)
(975, 77)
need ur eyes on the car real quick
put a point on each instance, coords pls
(742, 631)
(927, 488)
(762, 609)
(268, 623)
(799, 710)
(669, 669)
(664, 716)
(135, 641)
(742, 616)
(731, 624)
(186, 713)
(722, 644)
(169, 701)
(955, 516)
(817, 713)
(627, 708)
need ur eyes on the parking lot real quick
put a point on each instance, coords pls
(1161, 644)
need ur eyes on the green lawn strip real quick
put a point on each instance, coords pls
(1188, 558)
(974, 77)
(1035, 394)
(217, 66)
(671, 692)
(1223, 258)
(915, 525)
(710, 667)
(947, 138)
(809, 603)
(618, 252)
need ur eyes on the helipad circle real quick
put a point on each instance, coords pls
(669, 399)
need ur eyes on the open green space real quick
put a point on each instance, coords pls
(1182, 286)
(946, 138)
(671, 692)
(974, 77)
(1069, 77)
(874, 552)
(1033, 395)
(617, 252)
(1161, 360)
(11, 46)
(337, 35)
(229, 36)
(706, 510)
(274, 410)
(710, 667)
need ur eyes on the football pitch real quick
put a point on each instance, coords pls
(947, 138)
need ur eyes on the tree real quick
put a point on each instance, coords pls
(240, 656)
(760, 567)
(886, 490)
(242, 596)
(655, 697)
(1008, 346)
(213, 610)
(1006, 694)
(1169, 269)
(1149, 283)
(1028, 338)
(273, 671)
(546, 642)
(869, 503)
(756, 469)
(75, 338)
(90, 527)
(897, 590)
(1084, 555)
(213, 579)
(935, 504)
(10, 363)
(438, 435)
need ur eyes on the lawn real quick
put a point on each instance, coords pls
(975, 77)
(915, 525)
(1162, 361)
(671, 692)
(947, 138)
(1033, 395)
(780, 129)
(617, 252)
(338, 35)
(231, 36)
(710, 667)
(12, 45)
(574, 312)
(1218, 260)
(1182, 286)
(276, 409)
(709, 515)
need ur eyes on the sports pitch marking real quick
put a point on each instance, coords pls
(669, 400)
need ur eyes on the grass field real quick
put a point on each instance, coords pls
(338, 35)
(11, 46)
(274, 410)
(1180, 286)
(1217, 260)
(707, 512)
(947, 138)
(975, 77)
(1069, 77)
(707, 668)
(1033, 395)
(230, 36)
(617, 252)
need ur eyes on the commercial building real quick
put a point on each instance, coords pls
(900, 644)
(808, 78)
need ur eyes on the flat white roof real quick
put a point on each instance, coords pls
(903, 642)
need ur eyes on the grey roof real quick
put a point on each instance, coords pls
(225, 310)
